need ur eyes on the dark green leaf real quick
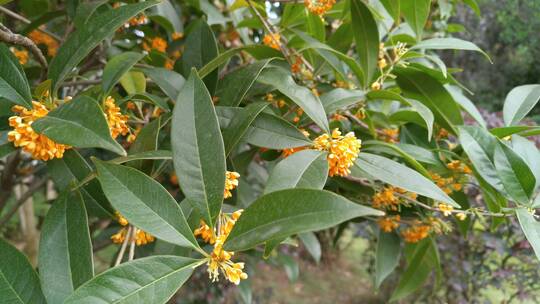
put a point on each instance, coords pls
(84, 11)
(145, 203)
(366, 38)
(393, 9)
(147, 140)
(303, 169)
(65, 248)
(302, 96)
(240, 124)
(283, 213)
(66, 125)
(117, 67)
(169, 81)
(387, 256)
(13, 83)
(148, 280)
(398, 175)
(158, 154)
(19, 283)
(416, 13)
(82, 41)
(340, 98)
(198, 150)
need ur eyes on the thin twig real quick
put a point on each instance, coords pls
(24, 20)
(24, 197)
(8, 36)
(132, 245)
(123, 248)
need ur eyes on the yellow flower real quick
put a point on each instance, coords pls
(390, 135)
(389, 223)
(37, 145)
(116, 120)
(231, 182)
(342, 151)
(21, 55)
(319, 7)
(272, 40)
(156, 43)
(461, 216)
(446, 209)
(382, 63)
(220, 259)
(459, 167)
(137, 20)
(376, 86)
(169, 64)
(177, 35)
(416, 233)
(137, 235)
(41, 38)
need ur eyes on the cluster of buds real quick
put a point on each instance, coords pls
(319, 7)
(416, 232)
(231, 182)
(390, 197)
(220, 259)
(342, 151)
(272, 40)
(157, 43)
(449, 184)
(136, 235)
(389, 223)
(116, 120)
(37, 145)
(459, 167)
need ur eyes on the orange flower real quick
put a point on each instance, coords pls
(389, 223)
(22, 55)
(116, 120)
(37, 145)
(319, 7)
(272, 40)
(416, 233)
(41, 38)
(342, 151)
(157, 43)
(390, 135)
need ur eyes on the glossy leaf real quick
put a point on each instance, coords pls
(531, 228)
(169, 81)
(519, 102)
(200, 49)
(81, 42)
(240, 124)
(393, 8)
(398, 151)
(340, 98)
(387, 256)
(516, 176)
(117, 67)
(19, 283)
(302, 96)
(13, 83)
(416, 13)
(198, 150)
(268, 130)
(145, 203)
(158, 154)
(65, 248)
(530, 153)
(148, 280)
(66, 125)
(283, 213)
(398, 175)
(146, 140)
(426, 89)
(304, 169)
(448, 43)
(366, 38)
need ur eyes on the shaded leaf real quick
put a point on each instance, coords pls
(116, 67)
(13, 83)
(366, 38)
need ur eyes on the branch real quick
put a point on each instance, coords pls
(24, 197)
(24, 20)
(8, 36)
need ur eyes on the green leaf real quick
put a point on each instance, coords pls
(387, 256)
(200, 49)
(416, 13)
(479, 145)
(301, 96)
(283, 213)
(19, 283)
(466, 104)
(13, 83)
(240, 124)
(234, 86)
(502, 132)
(198, 150)
(515, 174)
(158, 154)
(84, 11)
(6, 149)
(398, 175)
(529, 152)
(393, 9)
(268, 130)
(418, 270)
(133, 82)
(65, 248)
(304, 169)
(169, 81)
(519, 102)
(426, 89)
(167, 10)
(145, 203)
(148, 280)
(117, 67)
(81, 42)
(312, 244)
(339, 98)
(73, 168)
(147, 140)
(67, 125)
(366, 37)
(408, 158)
(448, 44)
(531, 228)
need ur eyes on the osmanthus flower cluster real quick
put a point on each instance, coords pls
(342, 151)
(133, 234)
(319, 7)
